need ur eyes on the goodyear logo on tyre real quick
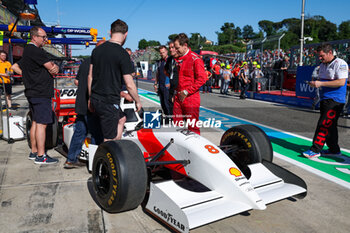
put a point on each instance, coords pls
(114, 178)
(237, 134)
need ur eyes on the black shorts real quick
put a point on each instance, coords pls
(41, 109)
(109, 115)
(8, 88)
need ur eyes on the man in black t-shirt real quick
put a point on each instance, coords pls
(37, 71)
(86, 122)
(284, 68)
(172, 72)
(110, 63)
(161, 84)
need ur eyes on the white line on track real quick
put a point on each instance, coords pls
(313, 170)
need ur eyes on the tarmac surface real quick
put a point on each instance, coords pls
(48, 198)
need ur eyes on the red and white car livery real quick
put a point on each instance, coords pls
(186, 181)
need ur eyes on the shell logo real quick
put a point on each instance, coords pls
(235, 172)
(87, 141)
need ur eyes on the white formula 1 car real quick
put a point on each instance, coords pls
(184, 180)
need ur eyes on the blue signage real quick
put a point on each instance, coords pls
(302, 89)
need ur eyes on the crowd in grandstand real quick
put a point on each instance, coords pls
(256, 70)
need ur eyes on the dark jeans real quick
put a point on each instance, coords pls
(327, 131)
(83, 125)
(164, 99)
(217, 77)
(244, 87)
(207, 86)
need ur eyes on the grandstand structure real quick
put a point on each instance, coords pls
(310, 58)
(256, 46)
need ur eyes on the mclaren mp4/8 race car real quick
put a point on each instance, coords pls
(183, 179)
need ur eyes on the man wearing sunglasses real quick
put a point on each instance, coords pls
(37, 71)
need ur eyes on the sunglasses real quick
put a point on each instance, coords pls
(44, 37)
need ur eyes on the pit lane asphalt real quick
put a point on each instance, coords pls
(39, 198)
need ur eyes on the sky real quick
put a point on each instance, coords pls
(156, 20)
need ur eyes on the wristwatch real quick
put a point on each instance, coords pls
(185, 92)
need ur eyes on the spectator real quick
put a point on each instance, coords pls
(110, 63)
(172, 72)
(207, 84)
(37, 71)
(244, 80)
(160, 81)
(226, 79)
(149, 73)
(216, 73)
(221, 77)
(235, 73)
(86, 121)
(284, 67)
(314, 77)
(132, 63)
(254, 75)
(191, 77)
(333, 74)
(5, 72)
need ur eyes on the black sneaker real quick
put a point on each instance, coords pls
(45, 159)
(32, 156)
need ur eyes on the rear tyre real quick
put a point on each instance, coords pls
(28, 126)
(246, 144)
(119, 176)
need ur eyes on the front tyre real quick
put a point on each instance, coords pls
(119, 176)
(246, 144)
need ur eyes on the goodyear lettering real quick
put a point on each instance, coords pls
(115, 181)
(238, 134)
(169, 218)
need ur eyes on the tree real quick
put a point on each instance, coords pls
(143, 44)
(196, 40)
(238, 32)
(344, 30)
(225, 49)
(172, 37)
(267, 27)
(153, 43)
(228, 34)
(291, 25)
(248, 32)
(327, 30)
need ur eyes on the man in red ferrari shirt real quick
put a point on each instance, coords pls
(191, 77)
